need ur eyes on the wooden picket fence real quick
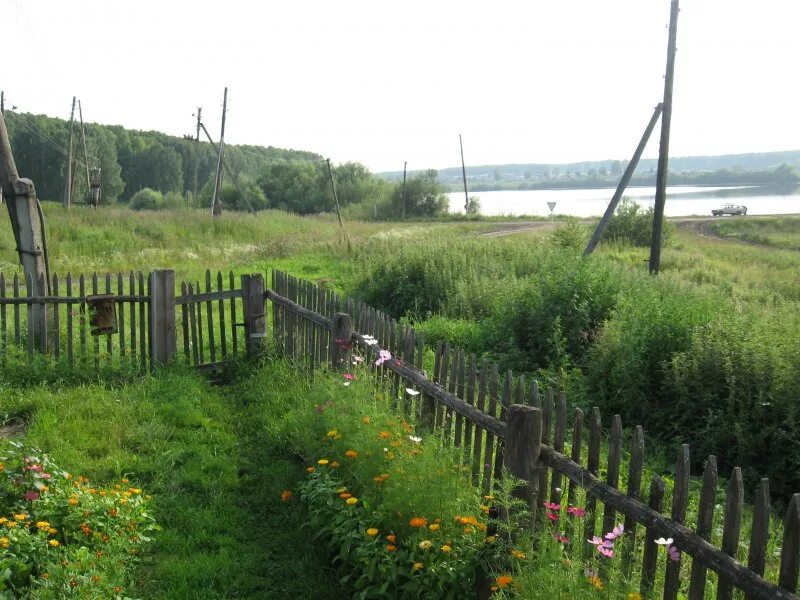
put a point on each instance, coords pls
(491, 420)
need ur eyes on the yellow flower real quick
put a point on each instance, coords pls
(74, 501)
(503, 581)
(634, 596)
(447, 548)
(417, 566)
(390, 455)
(323, 461)
(286, 495)
(53, 543)
(4, 542)
(21, 517)
(338, 437)
(310, 469)
(491, 539)
(351, 454)
(332, 433)
(2, 467)
(341, 490)
(517, 554)
(335, 465)
(372, 532)
(366, 420)
(42, 525)
(418, 522)
(596, 582)
(385, 435)
(425, 544)
(433, 526)
(52, 531)
(124, 481)
(352, 501)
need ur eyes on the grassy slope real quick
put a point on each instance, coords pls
(216, 481)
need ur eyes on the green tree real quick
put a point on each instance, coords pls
(296, 187)
(424, 197)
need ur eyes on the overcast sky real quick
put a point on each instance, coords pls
(383, 83)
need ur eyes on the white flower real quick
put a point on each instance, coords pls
(369, 340)
(385, 449)
(358, 359)
(664, 542)
(415, 439)
(411, 392)
(346, 383)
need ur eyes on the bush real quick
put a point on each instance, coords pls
(147, 199)
(633, 225)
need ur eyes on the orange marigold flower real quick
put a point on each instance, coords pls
(417, 566)
(418, 522)
(396, 443)
(390, 548)
(366, 420)
(503, 581)
(345, 495)
(391, 538)
(517, 554)
(372, 531)
(385, 435)
(447, 549)
(310, 469)
(335, 465)
(286, 495)
(351, 454)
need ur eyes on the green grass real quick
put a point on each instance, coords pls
(214, 476)
(777, 232)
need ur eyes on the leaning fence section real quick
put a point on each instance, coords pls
(571, 463)
(84, 321)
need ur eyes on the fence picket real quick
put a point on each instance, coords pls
(575, 454)
(612, 471)
(459, 431)
(593, 466)
(505, 405)
(790, 549)
(199, 310)
(143, 321)
(731, 528)
(56, 321)
(488, 454)
(759, 536)
(120, 305)
(650, 554)
(478, 443)
(109, 341)
(234, 335)
(472, 374)
(3, 317)
(132, 291)
(705, 523)
(15, 290)
(559, 436)
(634, 491)
(193, 324)
(69, 307)
(680, 500)
(212, 346)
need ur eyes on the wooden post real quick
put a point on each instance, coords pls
(663, 153)
(523, 445)
(255, 316)
(216, 203)
(623, 183)
(340, 346)
(68, 174)
(333, 189)
(464, 177)
(163, 343)
(405, 166)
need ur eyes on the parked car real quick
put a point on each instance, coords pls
(730, 209)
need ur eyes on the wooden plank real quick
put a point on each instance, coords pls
(82, 321)
(132, 307)
(452, 386)
(523, 444)
(223, 336)
(234, 334)
(143, 326)
(43, 312)
(209, 296)
(193, 326)
(593, 466)
(477, 444)
(489, 450)
(650, 552)
(505, 405)
(187, 349)
(16, 310)
(469, 396)
(56, 322)
(635, 466)
(556, 489)
(70, 333)
(212, 346)
(95, 338)
(109, 342)
(790, 549)
(612, 470)
(3, 318)
(29, 314)
(759, 536)
(705, 524)
(533, 397)
(731, 528)
(444, 365)
(680, 500)
(200, 341)
(577, 444)
(121, 316)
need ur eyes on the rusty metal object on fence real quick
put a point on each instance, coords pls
(102, 314)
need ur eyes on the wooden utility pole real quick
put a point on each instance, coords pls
(2, 102)
(83, 138)
(405, 166)
(623, 183)
(464, 176)
(68, 178)
(231, 173)
(216, 207)
(197, 155)
(663, 153)
(26, 221)
(335, 196)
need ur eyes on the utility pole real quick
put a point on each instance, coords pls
(28, 225)
(2, 102)
(197, 155)
(231, 173)
(85, 154)
(68, 178)
(216, 207)
(663, 153)
(405, 166)
(464, 176)
(335, 196)
(623, 183)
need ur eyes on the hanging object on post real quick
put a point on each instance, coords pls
(93, 193)
(102, 314)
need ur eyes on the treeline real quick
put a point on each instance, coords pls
(151, 170)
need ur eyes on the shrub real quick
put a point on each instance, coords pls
(633, 225)
(147, 199)
(572, 233)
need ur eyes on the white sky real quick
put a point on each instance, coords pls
(381, 82)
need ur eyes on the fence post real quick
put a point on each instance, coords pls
(163, 345)
(255, 317)
(340, 340)
(523, 446)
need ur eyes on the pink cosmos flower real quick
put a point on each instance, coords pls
(674, 553)
(349, 376)
(595, 540)
(576, 511)
(552, 516)
(552, 506)
(616, 532)
(31, 496)
(383, 356)
(607, 552)
(560, 537)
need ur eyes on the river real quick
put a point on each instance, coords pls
(681, 201)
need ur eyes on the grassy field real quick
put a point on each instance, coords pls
(777, 232)
(712, 341)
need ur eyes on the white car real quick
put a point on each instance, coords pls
(730, 209)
